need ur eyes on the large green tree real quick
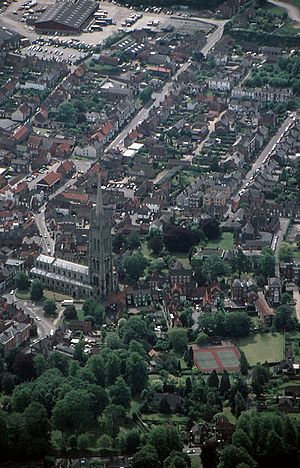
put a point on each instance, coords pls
(21, 280)
(135, 265)
(136, 373)
(178, 338)
(36, 290)
(112, 418)
(266, 263)
(120, 393)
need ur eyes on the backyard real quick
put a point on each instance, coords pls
(225, 241)
(261, 348)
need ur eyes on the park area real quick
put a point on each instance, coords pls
(219, 358)
(261, 348)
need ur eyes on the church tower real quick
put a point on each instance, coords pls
(100, 248)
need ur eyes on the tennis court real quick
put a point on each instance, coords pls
(225, 356)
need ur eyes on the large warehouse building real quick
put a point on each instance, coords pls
(69, 16)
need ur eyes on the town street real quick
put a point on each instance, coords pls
(261, 159)
(142, 115)
(44, 326)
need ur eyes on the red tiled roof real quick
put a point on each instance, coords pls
(262, 306)
(78, 197)
(51, 178)
(21, 187)
(20, 132)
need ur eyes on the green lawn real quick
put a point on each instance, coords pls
(195, 460)
(225, 242)
(57, 297)
(227, 412)
(23, 295)
(261, 348)
(80, 314)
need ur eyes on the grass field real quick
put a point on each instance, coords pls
(55, 296)
(224, 242)
(261, 348)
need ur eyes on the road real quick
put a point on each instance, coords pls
(142, 115)
(262, 158)
(48, 243)
(44, 326)
(292, 10)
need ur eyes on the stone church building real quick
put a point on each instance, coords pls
(94, 280)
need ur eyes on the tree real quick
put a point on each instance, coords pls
(156, 244)
(283, 318)
(145, 94)
(79, 354)
(135, 265)
(237, 324)
(112, 418)
(136, 373)
(213, 267)
(202, 339)
(131, 441)
(73, 413)
(97, 366)
(186, 317)
(135, 328)
(22, 397)
(49, 307)
(224, 383)
(211, 228)
(36, 290)
(244, 366)
(118, 242)
(112, 341)
(178, 339)
(82, 442)
(285, 252)
(112, 368)
(24, 367)
(209, 454)
(286, 298)
(133, 241)
(213, 380)
(164, 440)
(260, 376)
(120, 393)
(70, 312)
(66, 113)
(22, 281)
(146, 457)
(240, 262)
(239, 404)
(266, 263)
(233, 456)
(179, 239)
(177, 460)
(164, 406)
(37, 428)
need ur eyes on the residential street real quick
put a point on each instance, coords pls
(212, 39)
(44, 326)
(261, 159)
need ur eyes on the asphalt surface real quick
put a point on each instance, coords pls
(43, 325)
(142, 115)
(292, 10)
(262, 158)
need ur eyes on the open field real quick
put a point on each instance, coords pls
(224, 242)
(261, 348)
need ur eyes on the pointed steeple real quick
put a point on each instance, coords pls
(99, 202)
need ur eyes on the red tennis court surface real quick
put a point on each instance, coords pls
(209, 358)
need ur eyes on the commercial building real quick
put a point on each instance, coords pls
(66, 16)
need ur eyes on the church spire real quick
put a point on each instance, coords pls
(99, 202)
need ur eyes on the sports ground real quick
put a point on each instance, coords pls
(219, 358)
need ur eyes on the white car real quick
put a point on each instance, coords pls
(37, 318)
